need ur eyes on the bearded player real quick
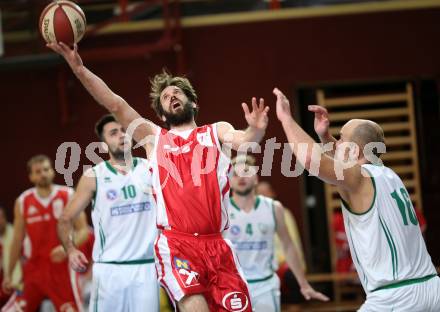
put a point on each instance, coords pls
(46, 273)
(385, 240)
(195, 264)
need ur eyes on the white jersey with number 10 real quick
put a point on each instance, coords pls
(123, 214)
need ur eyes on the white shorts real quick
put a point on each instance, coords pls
(265, 295)
(420, 297)
(124, 288)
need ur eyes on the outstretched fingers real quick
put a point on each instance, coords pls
(320, 296)
(261, 104)
(317, 109)
(278, 93)
(254, 104)
(245, 108)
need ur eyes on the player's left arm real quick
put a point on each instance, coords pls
(257, 123)
(292, 257)
(351, 180)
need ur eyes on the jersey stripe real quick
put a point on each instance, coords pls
(355, 252)
(391, 248)
(394, 248)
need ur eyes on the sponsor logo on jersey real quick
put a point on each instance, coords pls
(235, 230)
(253, 245)
(187, 277)
(235, 301)
(40, 218)
(178, 149)
(57, 208)
(32, 210)
(128, 209)
(107, 180)
(111, 194)
(34, 219)
(205, 139)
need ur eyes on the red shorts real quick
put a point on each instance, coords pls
(204, 264)
(54, 281)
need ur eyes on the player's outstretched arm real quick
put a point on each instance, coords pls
(115, 104)
(321, 124)
(328, 169)
(257, 123)
(292, 257)
(17, 242)
(80, 200)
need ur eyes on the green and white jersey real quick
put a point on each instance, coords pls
(123, 214)
(252, 234)
(386, 243)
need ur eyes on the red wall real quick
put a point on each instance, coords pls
(227, 65)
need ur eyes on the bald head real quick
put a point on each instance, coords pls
(362, 132)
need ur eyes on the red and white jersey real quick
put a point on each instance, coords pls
(190, 180)
(40, 217)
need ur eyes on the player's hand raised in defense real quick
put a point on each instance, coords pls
(70, 55)
(283, 106)
(77, 260)
(309, 293)
(257, 118)
(321, 122)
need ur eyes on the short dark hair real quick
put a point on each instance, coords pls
(99, 126)
(37, 159)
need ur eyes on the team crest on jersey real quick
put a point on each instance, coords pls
(187, 277)
(112, 194)
(205, 139)
(235, 301)
(181, 264)
(57, 206)
(235, 230)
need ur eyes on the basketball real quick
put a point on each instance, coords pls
(62, 21)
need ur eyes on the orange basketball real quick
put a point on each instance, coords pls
(62, 21)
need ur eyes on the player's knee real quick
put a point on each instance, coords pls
(193, 303)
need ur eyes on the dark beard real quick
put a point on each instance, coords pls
(44, 183)
(245, 192)
(180, 118)
(117, 154)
